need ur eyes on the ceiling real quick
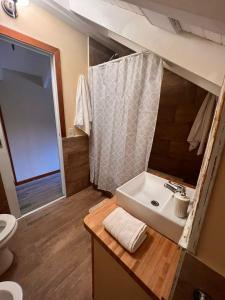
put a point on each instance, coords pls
(204, 33)
(172, 29)
(24, 62)
(171, 24)
(165, 14)
(125, 5)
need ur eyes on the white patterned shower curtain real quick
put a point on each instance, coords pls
(125, 98)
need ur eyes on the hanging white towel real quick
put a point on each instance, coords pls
(83, 116)
(126, 229)
(198, 135)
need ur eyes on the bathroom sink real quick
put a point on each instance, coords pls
(146, 198)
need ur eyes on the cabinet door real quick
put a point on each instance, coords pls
(111, 281)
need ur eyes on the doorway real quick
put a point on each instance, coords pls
(30, 126)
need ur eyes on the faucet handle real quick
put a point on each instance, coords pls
(180, 187)
(175, 184)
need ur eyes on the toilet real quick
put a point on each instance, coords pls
(10, 290)
(8, 226)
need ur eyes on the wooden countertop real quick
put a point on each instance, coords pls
(153, 265)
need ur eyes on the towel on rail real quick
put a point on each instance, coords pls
(83, 116)
(126, 229)
(199, 133)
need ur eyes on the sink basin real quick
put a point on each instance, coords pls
(146, 198)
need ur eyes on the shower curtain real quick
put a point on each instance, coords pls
(125, 98)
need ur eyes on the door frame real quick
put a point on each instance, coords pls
(7, 142)
(56, 76)
(54, 52)
(7, 176)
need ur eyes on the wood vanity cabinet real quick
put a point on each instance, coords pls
(111, 281)
(158, 270)
(146, 274)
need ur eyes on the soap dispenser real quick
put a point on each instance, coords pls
(181, 204)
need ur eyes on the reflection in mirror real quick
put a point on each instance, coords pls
(180, 103)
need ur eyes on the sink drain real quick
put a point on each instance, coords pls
(155, 203)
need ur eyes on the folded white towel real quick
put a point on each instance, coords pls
(126, 229)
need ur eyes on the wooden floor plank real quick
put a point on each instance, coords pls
(34, 194)
(53, 250)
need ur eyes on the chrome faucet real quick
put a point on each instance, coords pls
(174, 187)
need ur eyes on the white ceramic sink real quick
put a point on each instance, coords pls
(136, 197)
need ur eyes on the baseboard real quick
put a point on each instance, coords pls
(36, 177)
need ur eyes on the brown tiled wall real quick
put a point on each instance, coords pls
(180, 101)
(76, 163)
(4, 208)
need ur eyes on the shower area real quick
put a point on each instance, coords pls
(145, 118)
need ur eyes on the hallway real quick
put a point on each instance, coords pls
(39, 192)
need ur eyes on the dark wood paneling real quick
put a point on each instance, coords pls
(99, 54)
(56, 55)
(76, 163)
(196, 275)
(180, 101)
(4, 208)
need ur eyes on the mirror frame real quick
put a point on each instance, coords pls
(192, 230)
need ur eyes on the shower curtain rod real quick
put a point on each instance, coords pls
(128, 56)
(120, 58)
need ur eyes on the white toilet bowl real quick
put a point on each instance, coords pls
(10, 290)
(8, 226)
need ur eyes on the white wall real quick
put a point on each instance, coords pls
(28, 112)
(23, 60)
(40, 24)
